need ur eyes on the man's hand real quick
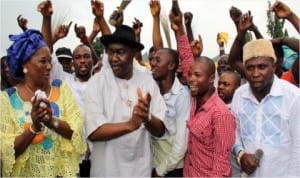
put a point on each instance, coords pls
(155, 7)
(97, 8)
(61, 31)
(197, 46)
(175, 18)
(188, 17)
(249, 163)
(281, 10)
(22, 22)
(80, 32)
(45, 8)
(245, 22)
(137, 27)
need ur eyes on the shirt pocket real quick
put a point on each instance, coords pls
(203, 133)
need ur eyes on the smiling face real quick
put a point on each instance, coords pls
(83, 62)
(259, 72)
(120, 58)
(200, 78)
(39, 65)
(161, 64)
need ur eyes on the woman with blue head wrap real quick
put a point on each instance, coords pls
(39, 136)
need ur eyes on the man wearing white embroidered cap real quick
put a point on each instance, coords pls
(267, 115)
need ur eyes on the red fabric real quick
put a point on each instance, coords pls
(288, 76)
(211, 130)
(211, 137)
(185, 54)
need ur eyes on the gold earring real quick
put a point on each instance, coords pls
(25, 70)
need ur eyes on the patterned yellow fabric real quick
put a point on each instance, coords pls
(55, 156)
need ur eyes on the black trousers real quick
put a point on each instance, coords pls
(84, 168)
(174, 173)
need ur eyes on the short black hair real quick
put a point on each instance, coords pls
(210, 62)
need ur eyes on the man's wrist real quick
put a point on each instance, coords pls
(239, 156)
(146, 121)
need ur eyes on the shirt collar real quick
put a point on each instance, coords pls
(276, 89)
(210, 102)
(176, 87)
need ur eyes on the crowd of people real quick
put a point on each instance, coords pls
(74, 113)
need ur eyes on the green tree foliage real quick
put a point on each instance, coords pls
(248, 36)
(275, 25)
(98, 46)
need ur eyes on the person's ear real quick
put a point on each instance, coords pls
(171, 67)
(211, 78)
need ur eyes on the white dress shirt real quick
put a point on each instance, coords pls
(169, 152)
(271, 125)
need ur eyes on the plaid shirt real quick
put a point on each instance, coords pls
(211, 130)
(211, 137)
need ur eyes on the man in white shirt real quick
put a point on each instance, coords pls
(169, 152)
(123, 107)
(82, 64)
(268, 117)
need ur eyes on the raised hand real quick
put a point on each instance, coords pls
(175, 17)
(22, 22)
(235, 15)
(245, 22)
(45, 8)
(188, 17)
(155, 7)
(197, 46)
(281, 10)
(61, 31)
(137, 27)
(97, 8)
(80, 32)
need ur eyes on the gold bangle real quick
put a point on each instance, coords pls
(34, 132)
(240, 154)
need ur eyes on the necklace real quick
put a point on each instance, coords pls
(129, 101)
(29, 89)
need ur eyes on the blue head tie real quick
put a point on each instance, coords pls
(24, 46)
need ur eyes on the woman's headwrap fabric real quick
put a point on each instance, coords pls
(24, 46)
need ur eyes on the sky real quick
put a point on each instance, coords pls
(210, 17)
